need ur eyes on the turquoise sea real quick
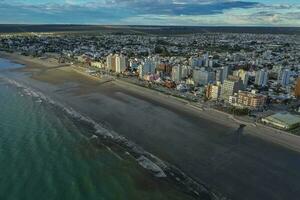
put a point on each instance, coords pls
(45, 154)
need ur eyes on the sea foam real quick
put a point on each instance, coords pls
(99, 129)
(150, 162)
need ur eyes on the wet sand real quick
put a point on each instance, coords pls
(204, 144)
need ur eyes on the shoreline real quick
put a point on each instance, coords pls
(117, 101)
(211, 113)
(158, 168)
(34, 63)
(100, 141)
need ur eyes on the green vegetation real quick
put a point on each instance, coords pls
(238, 111)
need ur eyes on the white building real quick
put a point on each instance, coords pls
(284, 77)
(121, 63)
(261, 77)
(141, 70)
(230, 86)
(177, 74)
(233, 100)
(97, 64)
(111, 62)
(185, 71)
(216, 91)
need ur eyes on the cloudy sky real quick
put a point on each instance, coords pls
(152, 12)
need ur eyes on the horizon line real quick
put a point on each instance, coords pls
(154, 25)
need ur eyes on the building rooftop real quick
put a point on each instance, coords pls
(285, 118)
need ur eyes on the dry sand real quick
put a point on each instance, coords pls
(204, 144)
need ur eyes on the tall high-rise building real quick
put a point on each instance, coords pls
(177, 73)
(219, 75)
(149, 64)
(225, 72)
(203, 77)
(244, 76)
(213, 91)
(196, 62)
(185, 71)
(284, 77)
(210, 63)
(147, 67)
(230, 86)
(111, 62)
(121, 63)
(141, 71)
(261, 77)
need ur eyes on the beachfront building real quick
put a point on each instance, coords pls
(176, 74)
(251, 99)
(111, 62)
(121, 63)
(261, 77)
(230, 86)
(284, 121)
(233, 100)
(141, 71)
(213, 91)
(297, 88)
(147, 67)
(97, 64)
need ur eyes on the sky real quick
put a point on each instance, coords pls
(152, 12)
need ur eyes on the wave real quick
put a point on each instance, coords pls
(148, 161)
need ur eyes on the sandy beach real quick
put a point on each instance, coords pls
(261, 164)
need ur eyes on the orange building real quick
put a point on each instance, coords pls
(208, 91)
(297, 88)
(252, 100)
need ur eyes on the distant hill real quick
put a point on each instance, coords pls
(163, 30)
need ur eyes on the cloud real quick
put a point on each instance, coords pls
(158, 12)
(256, 16)
(57, 13)
(173, 7)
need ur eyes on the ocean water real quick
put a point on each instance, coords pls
(7, 64)
(45, 154)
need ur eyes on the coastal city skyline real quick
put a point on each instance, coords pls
(192, 113)
(153, 12)
(150, 100)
